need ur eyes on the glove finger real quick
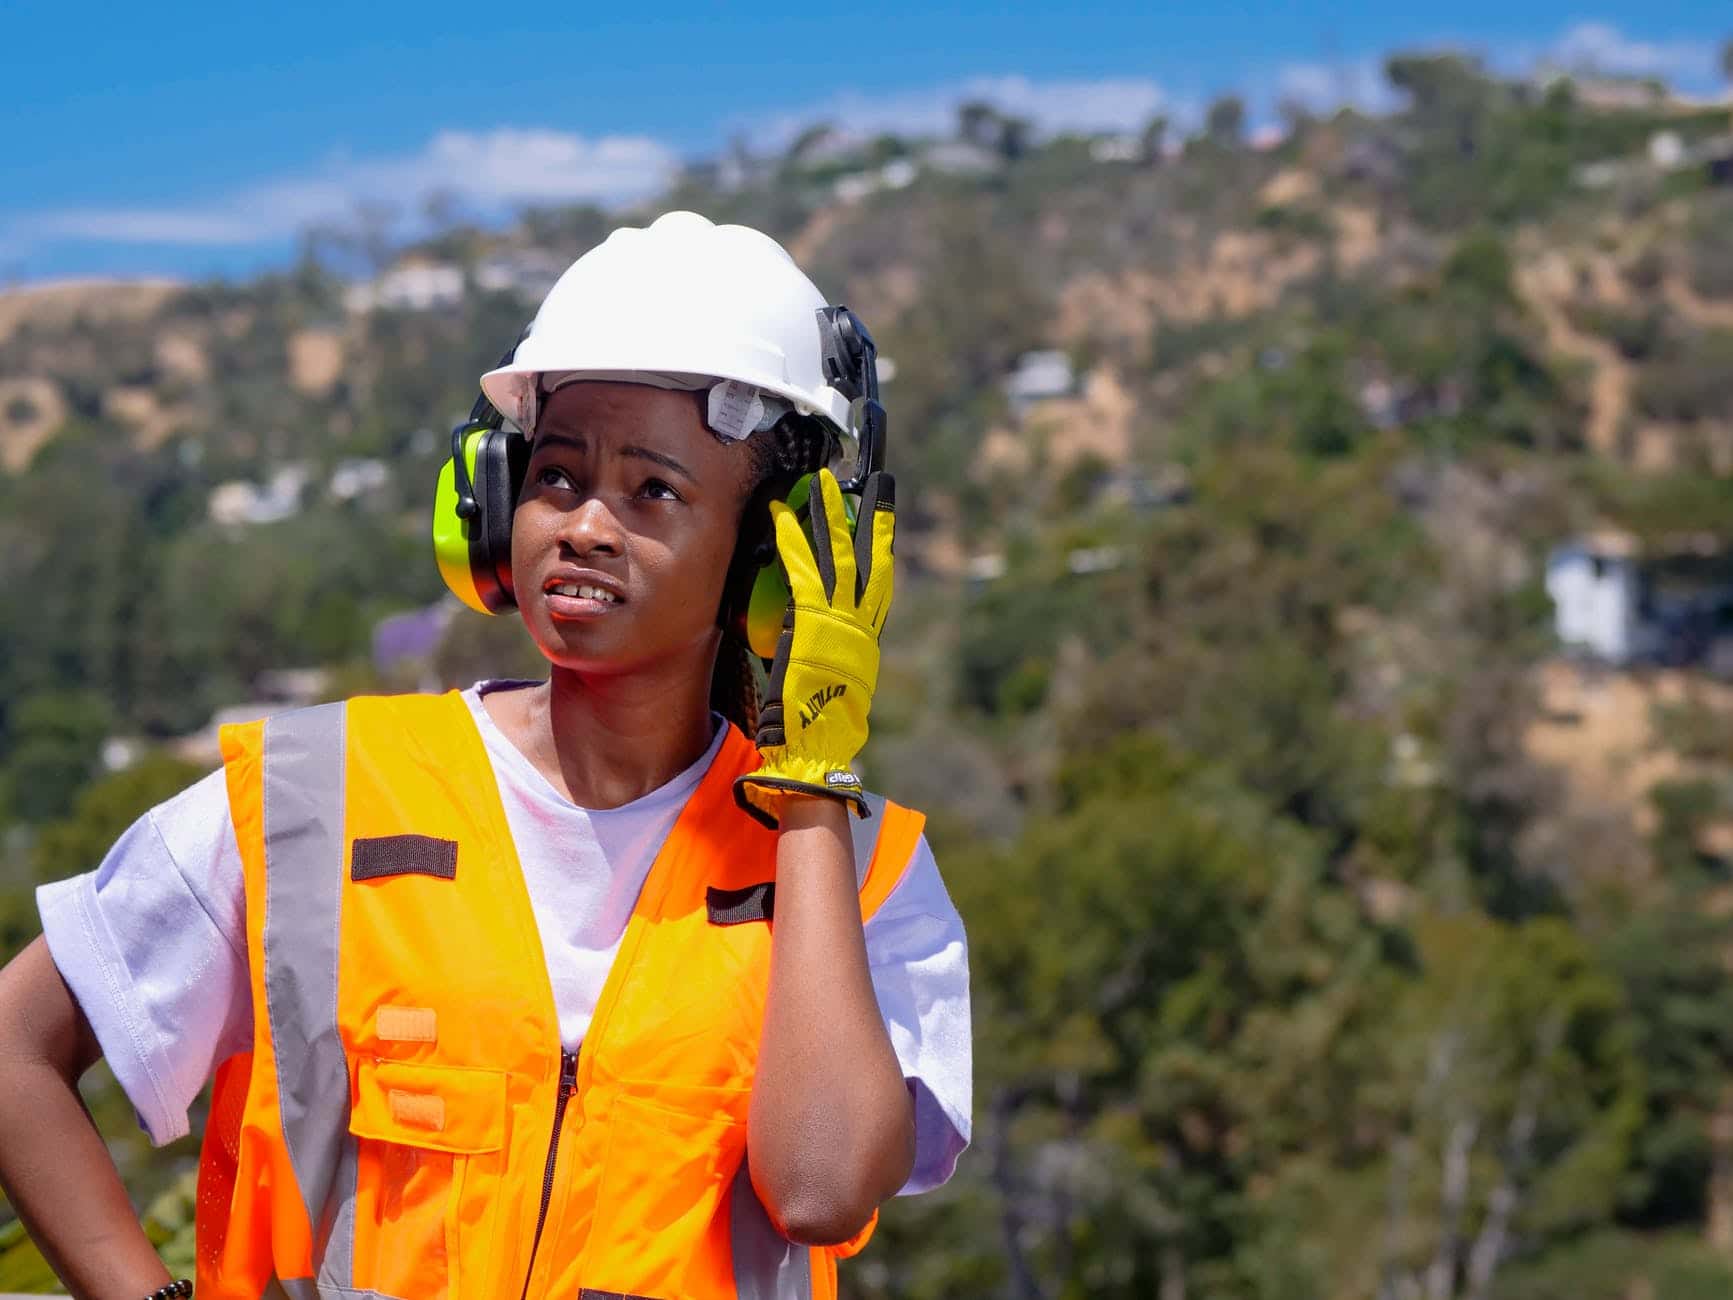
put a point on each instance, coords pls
(805, 581)
(878, 488)
(875, 537)
(831, 539)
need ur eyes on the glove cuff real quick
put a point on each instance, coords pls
(762, 793)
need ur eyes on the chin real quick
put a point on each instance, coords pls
(611, 645)
(580, 648)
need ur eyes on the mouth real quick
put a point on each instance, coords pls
(573, 598)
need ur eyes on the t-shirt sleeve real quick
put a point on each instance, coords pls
(152, 943)
(919, 960)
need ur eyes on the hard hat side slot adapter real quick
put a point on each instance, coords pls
(851, 367)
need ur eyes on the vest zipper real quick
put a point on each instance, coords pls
(568, 1086)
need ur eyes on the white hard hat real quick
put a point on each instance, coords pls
(681, 303)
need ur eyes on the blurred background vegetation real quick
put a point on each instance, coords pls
(1335, 930)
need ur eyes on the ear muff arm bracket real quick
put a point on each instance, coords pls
(851, 367)
(482, 415)
(466, 505)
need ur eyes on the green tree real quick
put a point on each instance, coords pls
(1479, 267)
(1517, 1088)
(56, 740)
(103, 810)
(1152, 142)
(1225, 121)
(1144, 961)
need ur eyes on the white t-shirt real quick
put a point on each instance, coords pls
(153, 942)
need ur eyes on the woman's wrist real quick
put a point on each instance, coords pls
(799, 811)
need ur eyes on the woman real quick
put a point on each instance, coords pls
(505, 992)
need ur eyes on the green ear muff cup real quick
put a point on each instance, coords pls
(770, 596)
(764, 611)
(454, 544)
(500, 464)
(474, 554)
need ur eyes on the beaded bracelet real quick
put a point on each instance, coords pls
(181, 1290)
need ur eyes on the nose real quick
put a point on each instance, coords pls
(591, 529)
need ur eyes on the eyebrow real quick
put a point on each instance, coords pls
(633, 451)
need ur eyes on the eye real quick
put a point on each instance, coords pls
(553, 476)
(658, 490)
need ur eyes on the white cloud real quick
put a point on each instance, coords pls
(533, 166)
(492, 171)
(1603, 48)
(141, 226)
(1103, 104)
(1587, 47)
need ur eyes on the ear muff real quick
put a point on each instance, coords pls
(769, 597)
(472, 537)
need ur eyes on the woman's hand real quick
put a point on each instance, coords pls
(814, 719)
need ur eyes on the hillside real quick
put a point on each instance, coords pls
(1334, 932)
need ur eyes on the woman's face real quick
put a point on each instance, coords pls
(623, 535)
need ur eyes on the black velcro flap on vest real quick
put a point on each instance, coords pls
(403, 855)
(738, 906)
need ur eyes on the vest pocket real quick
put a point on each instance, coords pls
(430, 1148)
(658, 1227)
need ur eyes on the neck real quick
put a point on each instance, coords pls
(607, 739)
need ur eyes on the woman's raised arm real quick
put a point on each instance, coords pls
(832, 1127)
(832, 1130)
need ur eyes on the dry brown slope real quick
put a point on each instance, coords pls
(58, 303)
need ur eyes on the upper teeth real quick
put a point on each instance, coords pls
(584, 593)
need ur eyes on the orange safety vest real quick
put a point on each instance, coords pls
(407, 1123)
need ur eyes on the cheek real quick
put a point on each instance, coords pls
(692, 572)
(692, 566)
(526, 545)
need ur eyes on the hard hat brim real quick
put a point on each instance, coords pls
(513, 389)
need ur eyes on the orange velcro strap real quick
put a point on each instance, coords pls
(406, 1025)
(436, 1107)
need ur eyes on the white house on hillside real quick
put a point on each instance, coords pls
(358, 477)
(411, 286)
(1669, 604)
(529, 273)
(240, 502)
(1037, 376)
(1597, 590)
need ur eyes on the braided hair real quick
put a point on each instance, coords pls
(796, 445)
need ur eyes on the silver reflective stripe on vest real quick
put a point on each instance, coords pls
(767, 1265)
(339, 1261)
(865, 831)
(304, 866)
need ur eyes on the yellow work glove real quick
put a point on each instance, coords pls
(814, 719)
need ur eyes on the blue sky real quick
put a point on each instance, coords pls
(190, 139)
